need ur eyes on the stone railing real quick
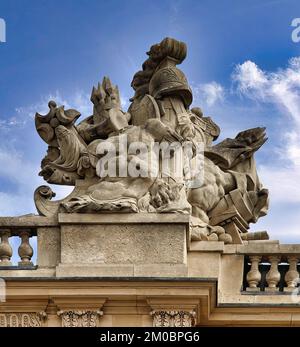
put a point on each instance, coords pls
(271, 273)
(24, 250)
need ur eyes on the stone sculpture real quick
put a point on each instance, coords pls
(222, 198)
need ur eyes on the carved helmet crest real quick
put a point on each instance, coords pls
(170, 80)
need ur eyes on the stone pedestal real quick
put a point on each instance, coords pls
(125, 245)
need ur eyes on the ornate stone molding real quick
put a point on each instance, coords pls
(173, 318)
(159, 114)
(28, 319)
(79, 318)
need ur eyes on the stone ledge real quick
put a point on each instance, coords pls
(28, 273)
(207, 246)
(123, 218)
(110, 279)
(27, 221)
(16, 267)
(268, 248)
(163, 270)
(248, 247)
(121, 270)
(268, 242)
(86, 218)
(94, 270)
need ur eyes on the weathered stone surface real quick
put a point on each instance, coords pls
(204, 264)
(94, 270)
(161, 270)
(28, 221)
(24, 273)
(123, 218)
(123, 244)
(268, 248)
(207, 246)
(48, 246)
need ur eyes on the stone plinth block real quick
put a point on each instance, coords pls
(123, 245)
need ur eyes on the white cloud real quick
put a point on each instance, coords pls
(14, 167)
(15, 204)
(79, 100)
(23, 175)
(277, 226)
(281, 88)
(208, 93)
(19, 171)
(283, 183)
(251, 80)
(124, 102)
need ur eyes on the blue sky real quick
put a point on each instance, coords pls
(242, 65)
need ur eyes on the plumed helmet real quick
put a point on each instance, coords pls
(170, 81)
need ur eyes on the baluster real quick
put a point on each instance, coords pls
(5, 248)
(273, 275)
(292, 276)
(25, 250)
(253, 276)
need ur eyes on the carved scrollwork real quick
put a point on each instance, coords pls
(43, 198)
(173, 318)
(28, 319)
(79, 318)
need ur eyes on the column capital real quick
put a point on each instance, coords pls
(173, 318)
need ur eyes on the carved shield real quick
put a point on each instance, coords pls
(142, 110)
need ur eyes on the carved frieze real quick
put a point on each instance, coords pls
(79, 318)
(173, 318)
(28, 319)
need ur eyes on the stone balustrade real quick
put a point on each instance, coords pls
(174, 282)
(25, 250)
(271, 272)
